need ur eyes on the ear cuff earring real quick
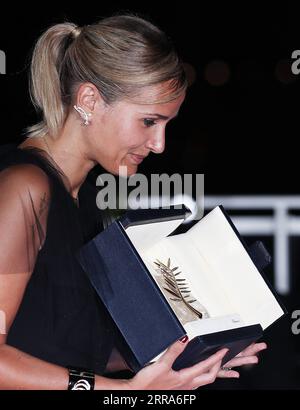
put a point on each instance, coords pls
(84, 115)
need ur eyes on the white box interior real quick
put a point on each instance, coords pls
(217, 268)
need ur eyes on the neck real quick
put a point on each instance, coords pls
(68, 153)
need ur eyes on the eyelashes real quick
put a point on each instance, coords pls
(149, 122)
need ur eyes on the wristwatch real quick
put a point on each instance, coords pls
(81, 379)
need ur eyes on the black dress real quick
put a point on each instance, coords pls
(60, 318)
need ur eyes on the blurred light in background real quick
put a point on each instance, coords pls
(217, 73)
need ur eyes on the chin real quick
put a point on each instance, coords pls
(130, 169)
(125, 172)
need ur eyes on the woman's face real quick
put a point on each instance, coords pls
(127, 132)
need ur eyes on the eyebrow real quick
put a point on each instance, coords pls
(160, 116)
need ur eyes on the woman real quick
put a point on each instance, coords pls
(106, 92)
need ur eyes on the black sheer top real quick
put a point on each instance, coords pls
(60, 318)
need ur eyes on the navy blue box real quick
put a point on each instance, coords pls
(115, 263)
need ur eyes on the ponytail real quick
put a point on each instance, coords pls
(45, 87)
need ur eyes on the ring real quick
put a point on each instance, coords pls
(226, 369)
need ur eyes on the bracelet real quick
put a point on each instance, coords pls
(80, 379)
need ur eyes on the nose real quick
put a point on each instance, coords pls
(156, 143)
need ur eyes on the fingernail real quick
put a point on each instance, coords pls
(184, 339)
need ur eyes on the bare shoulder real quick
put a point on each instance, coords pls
(26, 186)
(24, 177)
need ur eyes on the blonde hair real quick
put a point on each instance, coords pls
(120, 55)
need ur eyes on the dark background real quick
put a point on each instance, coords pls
(238, 125)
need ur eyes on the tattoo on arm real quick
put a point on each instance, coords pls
(37, 225)
(44, 203)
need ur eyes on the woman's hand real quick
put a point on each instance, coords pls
(161, 376)
(247, 356)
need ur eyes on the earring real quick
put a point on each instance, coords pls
(84, 115)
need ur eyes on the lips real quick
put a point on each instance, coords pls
(137, 159)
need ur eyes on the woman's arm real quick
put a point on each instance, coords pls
(19, 370)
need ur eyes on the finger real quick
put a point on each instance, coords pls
(204, 365)
(253, 349)
(173, 352)
(227, 374)
(208, 377)
(241, 361)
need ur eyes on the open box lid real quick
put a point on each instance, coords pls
(215, 261)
